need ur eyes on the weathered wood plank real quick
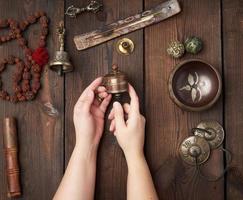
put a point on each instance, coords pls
(97, 61)
(233, 68)
(167, 125)
(40, 135)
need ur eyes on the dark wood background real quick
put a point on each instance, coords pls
(46, 141)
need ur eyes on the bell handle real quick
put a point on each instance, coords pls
(61, 34)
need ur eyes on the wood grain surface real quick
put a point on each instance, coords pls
(94, 62)
(167, 125)
(46, 140)
(40, 135)
(233, 69)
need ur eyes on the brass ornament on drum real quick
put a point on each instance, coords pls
(194, 150)
(115, 82)
(211, 131)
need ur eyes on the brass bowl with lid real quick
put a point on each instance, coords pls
(194, 85)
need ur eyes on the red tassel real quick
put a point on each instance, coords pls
(40, 56)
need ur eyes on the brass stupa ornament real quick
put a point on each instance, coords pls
(115, 82)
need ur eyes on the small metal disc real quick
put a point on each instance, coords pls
(214, 133)
(194, 148)
(125, 46)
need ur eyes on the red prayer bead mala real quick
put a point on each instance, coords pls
(26, 79)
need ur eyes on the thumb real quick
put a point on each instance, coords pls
(87, 100)
(119, 115)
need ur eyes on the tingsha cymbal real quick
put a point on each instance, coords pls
(211, 131)
(194, 150)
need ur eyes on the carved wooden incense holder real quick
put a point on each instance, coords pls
(130, 24)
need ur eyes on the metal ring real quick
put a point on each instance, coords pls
(193, 130)
(98, 98)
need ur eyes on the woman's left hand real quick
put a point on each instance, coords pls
(89, 114)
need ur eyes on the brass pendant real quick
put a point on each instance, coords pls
(115, 82)
(211, 131)
(194, 150)
(61, 62)
(125, 46)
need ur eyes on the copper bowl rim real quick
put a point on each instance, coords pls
(191, 108)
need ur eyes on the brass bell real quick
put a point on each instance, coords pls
(61, 62)
(115, 82)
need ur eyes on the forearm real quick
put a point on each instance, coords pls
(139, 182)
(78, 182)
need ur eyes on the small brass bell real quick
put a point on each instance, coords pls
(115, 82)
(61, 63)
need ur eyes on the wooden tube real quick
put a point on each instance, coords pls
(11, 155)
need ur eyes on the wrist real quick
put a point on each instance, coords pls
(85, 151)
(134, 156)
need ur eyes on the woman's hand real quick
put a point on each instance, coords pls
(89, 115)
(130, 132)
(79, 178)
(130, 136)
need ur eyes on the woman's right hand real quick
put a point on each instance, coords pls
(130, 129)
(130, 136)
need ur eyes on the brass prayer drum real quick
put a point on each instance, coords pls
(115, 82)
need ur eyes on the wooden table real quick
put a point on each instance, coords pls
(46, 142)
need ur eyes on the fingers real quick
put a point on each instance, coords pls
(99, 98)
(91, 87)
(103, 95)
(111, 115)
(126, 108)
(119, 115)
(100, 89)
(85, 102)
(104, 104)
(100, 94)
(87, 97)
(112, 126)
(95, 84)
(134, 98)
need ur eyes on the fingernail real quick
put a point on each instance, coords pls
(116, 104)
